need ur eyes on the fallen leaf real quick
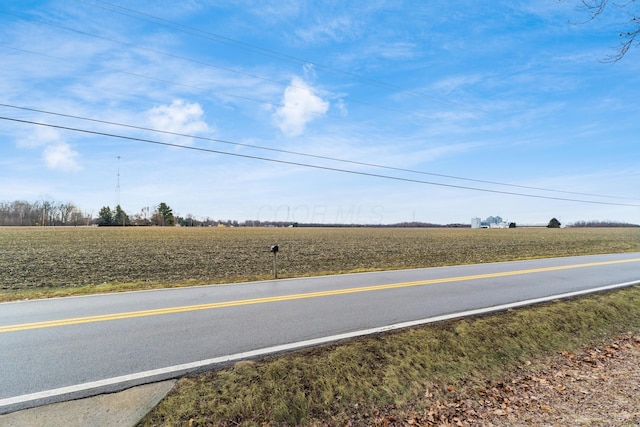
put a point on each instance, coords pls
(560, 373)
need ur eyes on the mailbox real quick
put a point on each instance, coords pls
(274, 251)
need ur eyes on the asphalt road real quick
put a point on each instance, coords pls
(60, 349)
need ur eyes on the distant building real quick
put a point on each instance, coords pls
(490, 222)
(502, 224)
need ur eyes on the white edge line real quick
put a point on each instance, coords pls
(193, 366)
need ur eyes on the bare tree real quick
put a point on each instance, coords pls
(78, 218)
(44, 212)
(628, 37)
(65, 210)
(48, 212)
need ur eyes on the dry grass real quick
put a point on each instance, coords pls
(42, 262)
(394, 373)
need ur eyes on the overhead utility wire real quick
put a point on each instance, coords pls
(195, 61)
(259, 101)
(327, 168)
(310, 155)
(268, 52)
(284, 151)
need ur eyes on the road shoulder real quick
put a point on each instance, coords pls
(124, 408)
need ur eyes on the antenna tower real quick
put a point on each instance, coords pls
(118, 184)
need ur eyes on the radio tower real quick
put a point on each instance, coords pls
(118, 185)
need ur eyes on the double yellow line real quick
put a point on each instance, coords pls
(216, 305)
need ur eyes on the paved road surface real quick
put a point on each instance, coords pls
(59, 349)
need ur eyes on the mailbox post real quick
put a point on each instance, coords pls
(274, 251)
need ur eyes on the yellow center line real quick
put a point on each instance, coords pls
(236, 303)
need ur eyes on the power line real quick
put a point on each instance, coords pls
(293, 59)
(354, 162)
(280, 105)
(327, 168)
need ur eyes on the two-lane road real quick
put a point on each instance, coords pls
(58, 349)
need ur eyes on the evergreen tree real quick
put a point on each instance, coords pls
(165, 214)
(554, 223)
(120, 217)
(105, 216)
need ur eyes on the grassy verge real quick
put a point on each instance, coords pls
(351, 382)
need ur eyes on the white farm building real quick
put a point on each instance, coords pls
(490, 222)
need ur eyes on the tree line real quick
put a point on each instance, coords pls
(53, 213)
(42, 212)
(600, 224)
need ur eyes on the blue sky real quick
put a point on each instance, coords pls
(514, 93)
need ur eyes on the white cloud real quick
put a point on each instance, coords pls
(61, 156)
(300, 105)
(179, 117)
(56, 153)
(39, 137)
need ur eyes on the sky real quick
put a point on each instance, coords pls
(372, 112)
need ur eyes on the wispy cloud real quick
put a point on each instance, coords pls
(338, 29)
(56, 152)
(397, 50)
(62, 157)
(452, 84)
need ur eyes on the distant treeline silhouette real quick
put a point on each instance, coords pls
(602, 224)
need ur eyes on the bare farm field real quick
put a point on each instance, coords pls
(48, 261)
